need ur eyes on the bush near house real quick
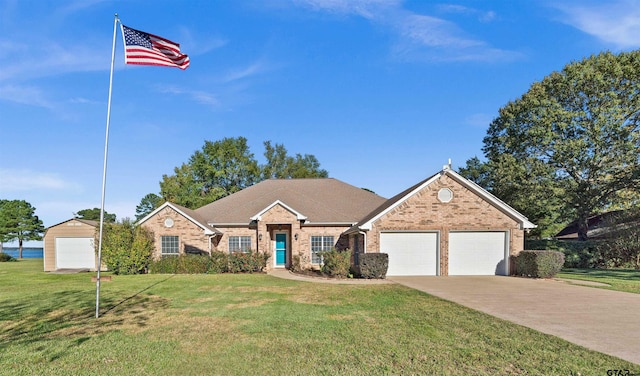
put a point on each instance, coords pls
(249, 262)
(539, 264)
(336, 263)
(372, 265)
(218, 262)
(126, 248)
(182, 264)
(612, 252)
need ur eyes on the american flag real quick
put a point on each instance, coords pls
(147, 49)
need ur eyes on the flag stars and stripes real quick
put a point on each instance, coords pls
(147, 49)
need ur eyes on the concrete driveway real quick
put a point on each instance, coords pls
(602, 320)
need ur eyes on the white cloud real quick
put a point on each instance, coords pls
(364, 8)
(484, 16)
(199, 96)
(615, 22)
(28, 95)
(422, 37)
(245, 72)
(14, 180)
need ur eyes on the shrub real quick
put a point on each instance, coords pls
(372, 265)
(4, 257)
(164, 265)
(336, 263)
(249, 262)
(126, 248)
(539, 264)
(219, 263)
(296, 266)
(183, 264)
(577, 254)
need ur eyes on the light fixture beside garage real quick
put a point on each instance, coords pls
(445, 195)
(168, 223)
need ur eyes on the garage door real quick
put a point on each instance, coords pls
(411, 253)
(477, 253)
(75, 253)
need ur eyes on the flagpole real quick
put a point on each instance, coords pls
(104, 170)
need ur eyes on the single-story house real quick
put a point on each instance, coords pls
(69, 245)
(600, 226)
(443, 225)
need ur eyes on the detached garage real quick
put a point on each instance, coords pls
(69, 245)
(444, 225)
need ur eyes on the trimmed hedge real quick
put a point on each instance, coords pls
(183, 264)
(372, 265)
(336, 263)
(539, 264)
(218, 262)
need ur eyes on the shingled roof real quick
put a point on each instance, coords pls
(321, 201)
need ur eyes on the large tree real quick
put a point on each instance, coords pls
(219, 169)
(574, 135)
(280, 165)
(148, 204)
(18, 221)
(224, 167)
(94, 215)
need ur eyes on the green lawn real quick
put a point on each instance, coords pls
(627, 280)
(260, 325)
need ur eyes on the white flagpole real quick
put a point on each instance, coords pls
(104, 170)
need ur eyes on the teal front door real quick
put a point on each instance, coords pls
(281, 249)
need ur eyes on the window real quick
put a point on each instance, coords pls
(320, 244)
(239, 244)
(170, 245)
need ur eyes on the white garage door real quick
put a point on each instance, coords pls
(477, 253)
(411, 253)
(75, 253)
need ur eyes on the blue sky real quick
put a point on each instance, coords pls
(383, 93)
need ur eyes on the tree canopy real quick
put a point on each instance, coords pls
(94, 215)
(226, 166)
(570, 146)
(148, 204)
(18, 221)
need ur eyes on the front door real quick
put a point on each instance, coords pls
(281, 249)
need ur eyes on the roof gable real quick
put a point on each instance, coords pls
(189, 214)
(298, 215)
(322, 200)
(367, 222)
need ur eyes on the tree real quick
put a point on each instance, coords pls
(126, 248)
(19, 222)
(219, 169)
(282, 166)
(224, 167)
(94, 215)
(574, 134)
(149, 203)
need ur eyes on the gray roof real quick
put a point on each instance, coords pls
(319, 200)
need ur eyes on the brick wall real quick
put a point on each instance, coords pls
(191, 236)
(465, 212)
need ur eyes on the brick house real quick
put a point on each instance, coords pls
(444, 225)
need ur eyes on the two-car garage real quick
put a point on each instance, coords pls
(467, 252)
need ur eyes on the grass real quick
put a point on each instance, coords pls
(627, 280)
(261, 325)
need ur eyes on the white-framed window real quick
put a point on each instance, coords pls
(320, 244)
(239, 244)
(170, 245)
